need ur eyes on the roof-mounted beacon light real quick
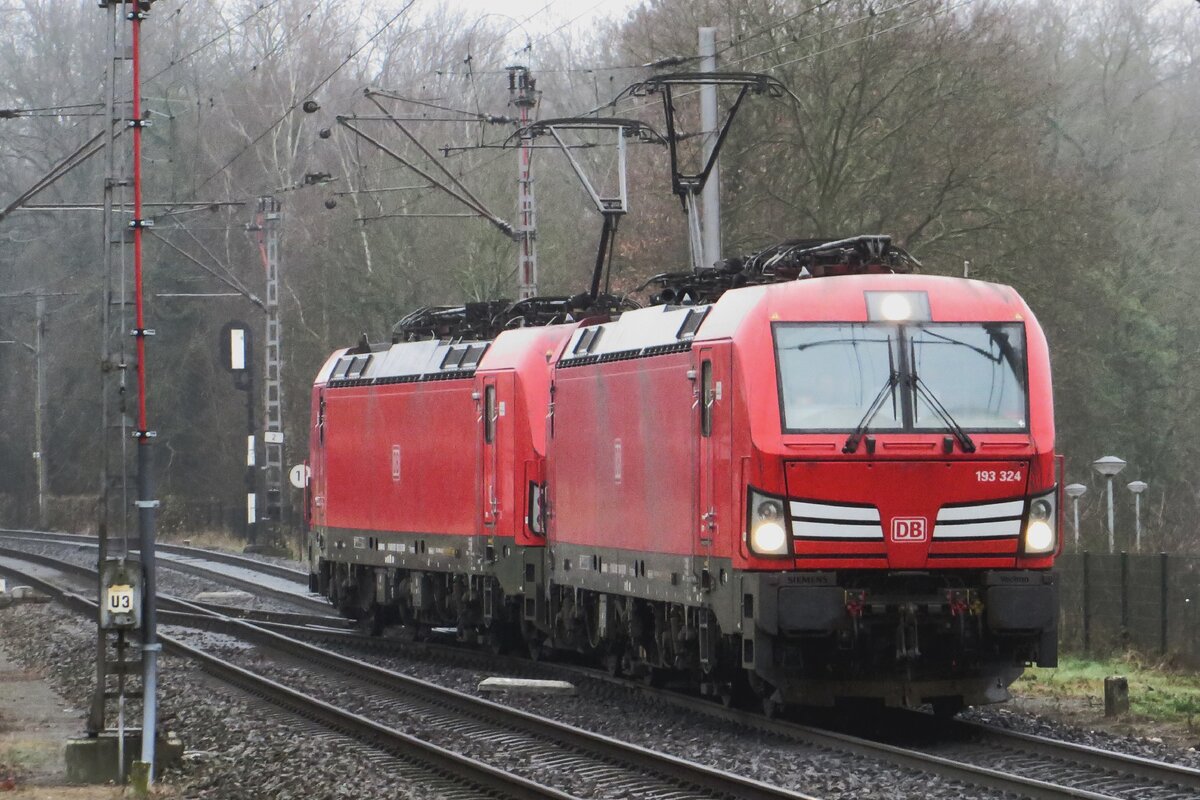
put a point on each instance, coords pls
(897, 306)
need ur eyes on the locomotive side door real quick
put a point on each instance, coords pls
(496, 437)
(713, 420)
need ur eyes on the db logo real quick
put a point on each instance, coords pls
(909, 529)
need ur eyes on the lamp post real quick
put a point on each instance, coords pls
(1109, 466)
(1137, 487)
(1076, 491)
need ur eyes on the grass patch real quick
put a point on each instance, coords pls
(212, 539)
(223, 540)
(1157, 691)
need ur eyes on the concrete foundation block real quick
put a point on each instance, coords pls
(525, 686)
(94, 759)
(1116, 696)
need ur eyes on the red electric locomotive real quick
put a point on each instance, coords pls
(822, 488)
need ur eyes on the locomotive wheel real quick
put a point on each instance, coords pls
(947, 707)
(498, 638)
(612, 664)
(654, 677)
(411, 632)
(772, 708)
(732, 695)
(371, 622)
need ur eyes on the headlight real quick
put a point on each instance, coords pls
(1040, 536)
(767, 529)
(895, 307)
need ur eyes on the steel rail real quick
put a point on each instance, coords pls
(285, 621)
(908, 758)
(661, 766)
(1159, 774)
(233, 559)
(1116, 764)
(298, 599)
(446, 763)
(1087, 756)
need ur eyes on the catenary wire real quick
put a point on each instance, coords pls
(328, 77)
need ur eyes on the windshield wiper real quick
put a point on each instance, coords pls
(964, 441)
(860, 429)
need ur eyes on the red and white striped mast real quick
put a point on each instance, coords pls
(114, 367)
(146, 504)
(523, 90)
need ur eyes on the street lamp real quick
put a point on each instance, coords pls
(1076, 491)
(1109, 466)
(1137, 487)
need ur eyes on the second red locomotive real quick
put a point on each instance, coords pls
(833, 487)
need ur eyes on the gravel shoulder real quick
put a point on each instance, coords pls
(237, 748)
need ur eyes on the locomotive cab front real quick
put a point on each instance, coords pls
(900, 494)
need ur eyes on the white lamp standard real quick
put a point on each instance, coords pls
(1076, 491)
(1109, 466)
(1137, 487)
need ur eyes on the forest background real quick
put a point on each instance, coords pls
(1051, 144)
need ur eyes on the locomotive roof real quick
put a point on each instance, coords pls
(660, 329)
(843, 298)
(665, 329)
(644, 331)
(407, 361)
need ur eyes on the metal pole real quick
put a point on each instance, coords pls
(1111, 536)
(1137, 518)
(272, 213)
(1087, 602)
(251, 465)
(1162, 603)
(111, 375)
(1075, 503)
(40, 408)
(710, 197)
(146, 504)
(521, 87)
(1124, 598)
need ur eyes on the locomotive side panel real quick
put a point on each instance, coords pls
(622, 464)
(401, 458)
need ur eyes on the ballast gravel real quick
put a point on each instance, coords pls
(236, 748)
(614, 712)
(1003, 717)
(241, 748)
(173, 582)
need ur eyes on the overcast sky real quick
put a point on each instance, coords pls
(539, 17)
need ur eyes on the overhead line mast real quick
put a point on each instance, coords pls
(523, 90)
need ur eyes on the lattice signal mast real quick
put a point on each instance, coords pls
(523, 91)
(269, 217)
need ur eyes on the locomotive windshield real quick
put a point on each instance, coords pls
(832, 374)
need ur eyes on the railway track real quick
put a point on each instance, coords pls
(260, 578)
(984, 756)
(616, 768)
